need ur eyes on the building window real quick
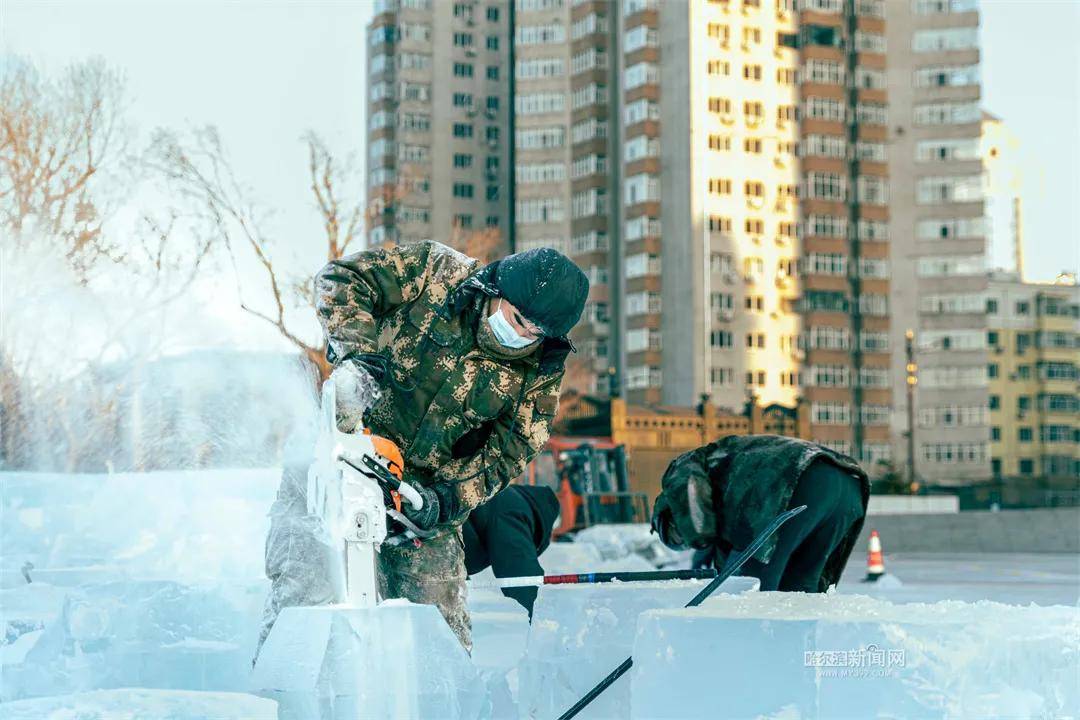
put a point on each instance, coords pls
(463, 70)
(540, 34)
(945, 7)
(720, 142)
(832, 146)
(539, 68)
(463, 130)
(751, 71)
(641, 73)
(830, 413)
(540, 210)
(718, 67)
(721, 33)
(947, 113)
(720, 186)
(949, 189)
(823, 72)
(825, 186)
(820, 108)
(952, 453)
(754, 113)
(640, 37)
(755, 340)
(722, 376)
(961, 38)
(721, 339)
(540, 138)
(720, 105)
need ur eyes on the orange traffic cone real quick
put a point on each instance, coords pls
(875, 563)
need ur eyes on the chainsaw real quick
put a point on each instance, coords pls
(356, 486)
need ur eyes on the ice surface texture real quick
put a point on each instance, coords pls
(154, 634)
(842, 656)
(182, 526)
(141, 704)
(397, 660)
(582, 632)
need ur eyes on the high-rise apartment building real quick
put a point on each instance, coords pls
(438, 145)
(768, 213)
(939, 235)
(1034, 411)
(712, 87)
(845, 258)
(567, 140)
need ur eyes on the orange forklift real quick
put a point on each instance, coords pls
(589, 477)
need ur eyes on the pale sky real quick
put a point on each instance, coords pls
(264, 72)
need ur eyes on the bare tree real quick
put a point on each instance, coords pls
(65, 170)
(485, 245)
(202, 173)
(57, 141)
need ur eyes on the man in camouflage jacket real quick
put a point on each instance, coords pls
(467, 410)
(719, 497)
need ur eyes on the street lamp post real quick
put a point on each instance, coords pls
(912, 381)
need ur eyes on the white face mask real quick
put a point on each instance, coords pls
(504, 331)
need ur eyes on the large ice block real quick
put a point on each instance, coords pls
(28, 607)
(142, 704)
(397, 660)
(581, 632)
(190, 526)
(845, 656)
(153, 634)
(500, 627)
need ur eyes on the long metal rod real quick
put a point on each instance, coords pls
(598, 577)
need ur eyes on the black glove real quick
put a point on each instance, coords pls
(427, 517)
(377, 365)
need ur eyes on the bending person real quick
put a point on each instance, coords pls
(721, 496)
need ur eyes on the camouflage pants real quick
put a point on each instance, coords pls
(431, 574)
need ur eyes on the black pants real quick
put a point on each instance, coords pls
(833, 502)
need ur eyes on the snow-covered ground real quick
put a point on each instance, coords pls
(154, 581)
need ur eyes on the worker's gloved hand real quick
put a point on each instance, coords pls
(357, 390)
(427, 517)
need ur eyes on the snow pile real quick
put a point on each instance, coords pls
(581, 632)
(838, 656)
(137, 703)
(575, 557)
(396, 660)
(619, 541)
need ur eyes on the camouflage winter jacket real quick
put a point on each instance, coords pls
(725, 493)
(467, 422)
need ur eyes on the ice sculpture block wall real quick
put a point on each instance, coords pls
(850, 656)
(396, 660)
(582, 632)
